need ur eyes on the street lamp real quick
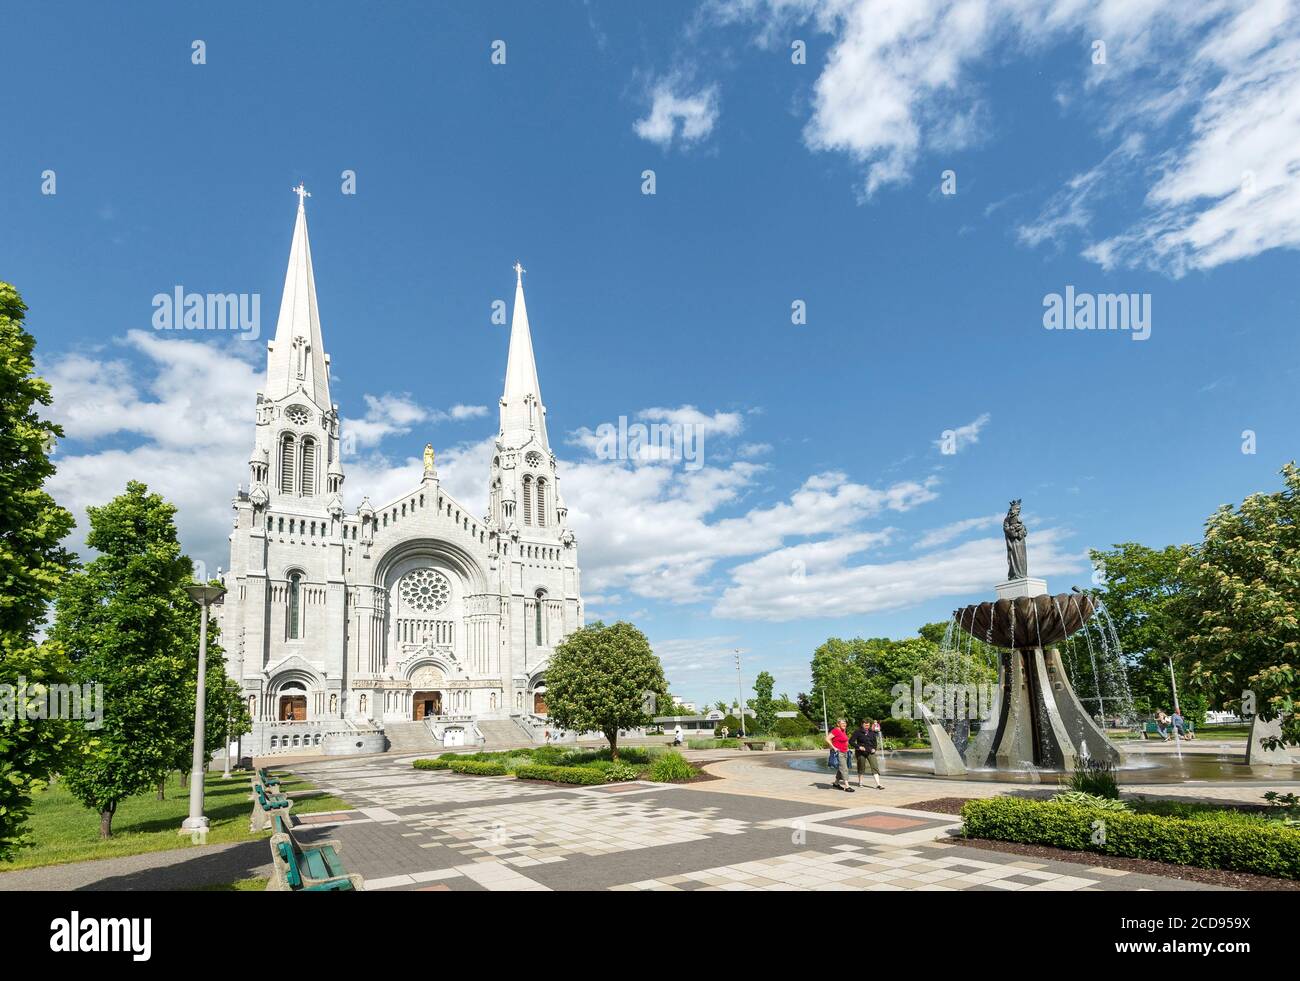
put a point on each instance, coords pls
(740, 696)
(205, 596)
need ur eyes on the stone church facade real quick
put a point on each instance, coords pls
(341, 623)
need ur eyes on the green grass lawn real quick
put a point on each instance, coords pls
(62, 830)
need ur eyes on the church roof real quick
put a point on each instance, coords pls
(522, 412)
(296, 358)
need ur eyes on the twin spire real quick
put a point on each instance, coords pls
(296, 357)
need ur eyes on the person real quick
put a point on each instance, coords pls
(864, 746)
(838, 740)
(677, 735)
(1162, 724)
(1180, 727)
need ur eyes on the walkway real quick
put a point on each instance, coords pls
(438, 831)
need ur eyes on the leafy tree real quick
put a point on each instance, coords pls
(128, 623)
(32, 564)
(1146, 597)
(598, 680)
(1244, 604)
(762, 704)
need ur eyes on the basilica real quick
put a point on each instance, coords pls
(408, 617)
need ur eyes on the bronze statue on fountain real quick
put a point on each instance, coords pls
(1037, 720)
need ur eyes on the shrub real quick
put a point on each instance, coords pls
(801, 742)
(713, 744)
(1079, 798)
(671, 767)
(787, 728)
(898, 728)
(561, 774)
(1222, 843)
(478, 768)
(616, 772)
(1095, 777)
(441, 763)
(548, 755)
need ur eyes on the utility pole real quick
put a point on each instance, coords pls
(740, 696)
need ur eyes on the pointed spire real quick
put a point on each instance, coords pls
(521, 403)
(297, 355)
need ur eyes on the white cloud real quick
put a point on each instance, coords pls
(817, 580)
(675, 114)
(1209, 90)
(396, 414)
(942, 536)
(964, 436)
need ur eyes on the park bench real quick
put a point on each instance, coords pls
(1149, 728)
(267, 779)
(760, 745)
(264, 805)
(313, 868)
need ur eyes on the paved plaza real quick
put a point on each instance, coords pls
(417, 830)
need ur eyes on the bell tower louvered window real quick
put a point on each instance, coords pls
(308, 467)
(528, 500)
(541, 501)
(286, 463)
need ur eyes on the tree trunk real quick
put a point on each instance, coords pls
(162, 789)
(106, 822)
(185, 778)
(613, 744)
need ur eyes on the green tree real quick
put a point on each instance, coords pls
(1244, 604)
(32, 564)
(599, 678)
(763, 705)
(128, 624)
(1146, 596)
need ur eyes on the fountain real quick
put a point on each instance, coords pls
(1037, 719)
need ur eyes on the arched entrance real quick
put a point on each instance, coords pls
(425, 704)
(293, 708)
(539, 702)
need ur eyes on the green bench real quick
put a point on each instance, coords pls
(1150, 728)
(265, 804)
(267, 779)
(313, 868)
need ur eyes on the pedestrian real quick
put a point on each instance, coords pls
(677, 735)
(838, 740)
(864, 746)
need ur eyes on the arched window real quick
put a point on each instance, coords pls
(541, 501)
(537, 609)
(286, 463)
(308, 466)
(295, 606)
(528, 500)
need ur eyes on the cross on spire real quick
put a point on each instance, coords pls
(302, 193)
(519, 273)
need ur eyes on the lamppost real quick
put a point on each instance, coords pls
(205, 595)
(740, 697)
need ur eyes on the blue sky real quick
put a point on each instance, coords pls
(825, 505)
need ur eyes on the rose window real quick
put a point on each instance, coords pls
(298, 415)
(533, 458)
(425, 590)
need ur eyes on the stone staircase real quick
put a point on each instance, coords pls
(410, 737)
(502, 733)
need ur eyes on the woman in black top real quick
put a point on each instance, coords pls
(863, 742)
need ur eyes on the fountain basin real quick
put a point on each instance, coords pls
(1026, 621)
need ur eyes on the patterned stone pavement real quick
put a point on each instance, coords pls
(438, 831)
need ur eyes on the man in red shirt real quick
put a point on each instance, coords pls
(838, 740)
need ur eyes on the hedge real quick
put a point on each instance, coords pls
(1261, 849)
(439, 764)
(561, 774)
(477, 768)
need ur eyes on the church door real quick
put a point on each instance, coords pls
(293, 708)
(539, 703)
(425, 704)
